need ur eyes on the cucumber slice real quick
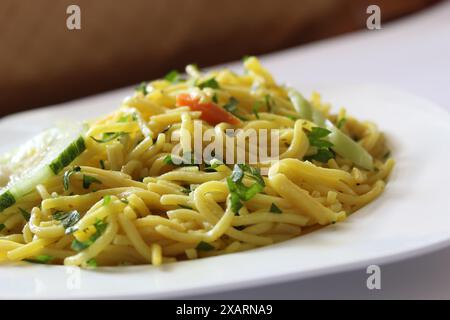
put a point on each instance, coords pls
(37, 160)
(342, 144)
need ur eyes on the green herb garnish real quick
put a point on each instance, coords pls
(91, 263)
(2, 226)
(231, 107)
(204, 246)
(173, 76)
(67, 219)
(255, 109)
(341, 123)
(210, 83)
(275, 209)
(316, 139)
(67, 175)
(100, 227)
(268, 101)
(42, 259)
(88, 180)
(238, 190)
(142, 88)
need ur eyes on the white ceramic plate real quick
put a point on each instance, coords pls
(411, 217)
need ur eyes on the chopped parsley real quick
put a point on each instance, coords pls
(100, 227)
(255, 109)
(238, 190)
(268, 101)
(186, 190)
(67, 175)
(275, 209)
(210, 83)
(142, 87)
(341, 123)
(231, 107)
(67, 219)
(173, 76)
(91, 263)
(316, 139)
(214, 98)
(42, 259)
(88, 180)
(204, 246)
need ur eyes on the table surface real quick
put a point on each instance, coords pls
(412, 54)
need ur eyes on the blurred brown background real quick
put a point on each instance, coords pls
(124, 42)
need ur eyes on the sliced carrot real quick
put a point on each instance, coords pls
(211, 112)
